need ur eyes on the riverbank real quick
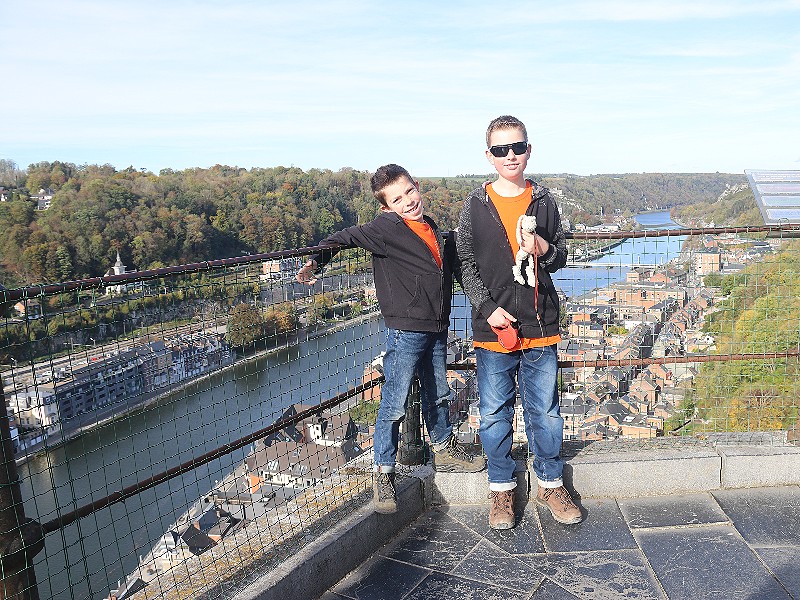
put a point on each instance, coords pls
(151, 399)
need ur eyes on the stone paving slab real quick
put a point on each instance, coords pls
(764, 516)
(488, 563)
(707, 562)
(524, 538)
(784, 562)
(382, 577)
(603, 528)
(672, 511)
(449, 587)
(436, 541)
(550, 591)
(600, 575)
(723, 544)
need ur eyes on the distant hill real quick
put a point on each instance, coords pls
(176, 217)
(586, 198)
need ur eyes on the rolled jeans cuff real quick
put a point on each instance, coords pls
(384, 468)
(502, 487)
(555, 483)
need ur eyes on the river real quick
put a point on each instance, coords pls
(576, 281)
(104, 547)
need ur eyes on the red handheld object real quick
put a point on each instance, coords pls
(507, 336)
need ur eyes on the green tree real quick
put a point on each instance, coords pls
(8, 173)
(245, 326)
(63, 264)
(713, 280)
(35, 259)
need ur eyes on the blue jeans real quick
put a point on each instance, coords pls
(536, 370)
(409, 353)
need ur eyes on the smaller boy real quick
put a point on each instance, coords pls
(413, 270)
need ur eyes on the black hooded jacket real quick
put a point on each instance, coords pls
(413, 292)
(487, 259)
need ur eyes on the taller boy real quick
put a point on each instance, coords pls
(489, 236)
(413, 269)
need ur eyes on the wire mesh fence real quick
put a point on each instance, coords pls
(178, 431)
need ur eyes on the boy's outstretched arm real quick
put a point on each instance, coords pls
(360, 236)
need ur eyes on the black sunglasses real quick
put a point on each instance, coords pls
(502, 150)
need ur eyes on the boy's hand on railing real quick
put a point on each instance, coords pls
(306, 273)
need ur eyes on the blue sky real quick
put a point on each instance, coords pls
(604, 87)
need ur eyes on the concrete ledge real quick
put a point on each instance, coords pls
(759, 466)
(323, 562)
(628, 470)
(607, 474)
(645, 473)
(470, 488)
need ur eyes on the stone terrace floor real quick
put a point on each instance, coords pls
(730, 543)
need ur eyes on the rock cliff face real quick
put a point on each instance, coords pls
(734, 207)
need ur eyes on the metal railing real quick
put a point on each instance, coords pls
(176, 430)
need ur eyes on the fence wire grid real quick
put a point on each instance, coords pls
(176, 432)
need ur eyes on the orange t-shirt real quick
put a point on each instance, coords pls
(425, 232)
(510, 209)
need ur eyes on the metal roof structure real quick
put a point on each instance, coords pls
(777, 195)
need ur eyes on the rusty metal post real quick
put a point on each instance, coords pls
(412, 449)
(21, 539)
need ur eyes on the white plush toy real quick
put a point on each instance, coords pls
(528, 224)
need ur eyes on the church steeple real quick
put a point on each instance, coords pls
(119, 268)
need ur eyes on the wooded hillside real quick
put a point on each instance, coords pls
(758, 315)
(175, 217)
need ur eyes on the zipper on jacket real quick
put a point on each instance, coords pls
(488, 202)
(440, 243)
(531, 210)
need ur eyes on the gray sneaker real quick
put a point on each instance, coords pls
(384, 495)
(454, 459)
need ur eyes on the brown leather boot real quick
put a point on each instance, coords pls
(560, 504)
(454, 459)
(501, 509)
(384, 498)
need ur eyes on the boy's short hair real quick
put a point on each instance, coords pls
(504, 122)
(386, 176)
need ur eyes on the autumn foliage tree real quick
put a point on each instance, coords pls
(193, 215)
(245, 326)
